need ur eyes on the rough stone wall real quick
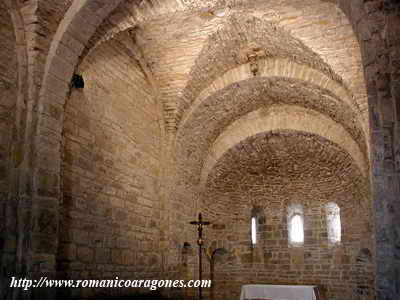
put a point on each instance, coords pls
(8, 94)
(202, 129)
(248, 38)
(273, 171)
(339, 271)
(377, 26)
(111, 209)
(320, 25)
(8, 102)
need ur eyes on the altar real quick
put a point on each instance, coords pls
(279, 292)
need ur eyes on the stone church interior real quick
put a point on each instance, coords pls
(277, 120)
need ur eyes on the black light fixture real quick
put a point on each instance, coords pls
(77, 81)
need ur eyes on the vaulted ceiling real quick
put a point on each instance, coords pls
(227, 73)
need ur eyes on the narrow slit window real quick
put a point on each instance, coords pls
(334, 226)
(296, 225)
(297, 235)
(253, 231)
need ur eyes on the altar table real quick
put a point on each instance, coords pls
(278, 292)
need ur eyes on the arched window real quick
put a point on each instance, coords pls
(256, 214)
(253, 231)
(334, 227)
(296, 225)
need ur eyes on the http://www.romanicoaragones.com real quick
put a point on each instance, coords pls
(152, 284)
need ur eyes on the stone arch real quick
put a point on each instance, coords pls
(278, 118)
(130, 16)
(225, 190)
(53, 86)
(120, 148)
(45, 132)
(13, 98)
(278, 67)
(237, 100)
(22, 78)
(62, 59)
(236, 46)
(75, 29)
(127, 16)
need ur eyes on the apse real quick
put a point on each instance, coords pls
(312, 215)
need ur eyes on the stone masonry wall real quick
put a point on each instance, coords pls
(270, 173)
(8, 99)
(8, 93)
(342, 272)
(111, 209)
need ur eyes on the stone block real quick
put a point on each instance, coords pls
(67, 251)
(48, 183)
(85, 254)
(127, 257)
(116, 256)
(102, 255)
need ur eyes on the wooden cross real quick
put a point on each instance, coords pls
(200, 223)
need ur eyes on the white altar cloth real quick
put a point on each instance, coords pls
(278, 292)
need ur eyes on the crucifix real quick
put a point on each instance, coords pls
(200, 223)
